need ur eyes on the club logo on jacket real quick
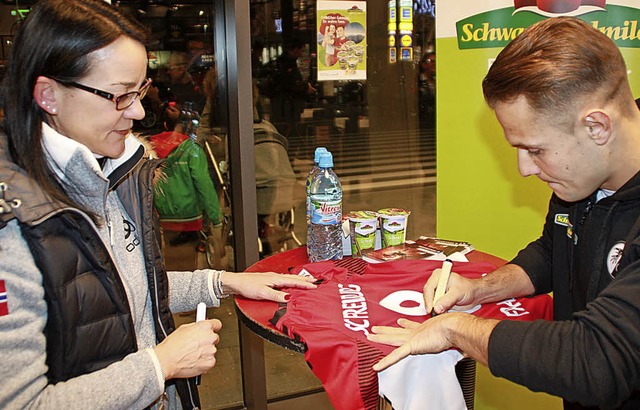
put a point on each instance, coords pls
(130, 236)
(613, 258)
(409, 303)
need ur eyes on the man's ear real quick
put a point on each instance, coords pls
(597, 125)
(44, 93)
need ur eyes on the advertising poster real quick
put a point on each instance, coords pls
(342, 40)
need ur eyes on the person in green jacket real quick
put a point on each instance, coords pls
(185, 196)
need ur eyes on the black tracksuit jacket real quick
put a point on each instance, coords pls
(589, 257)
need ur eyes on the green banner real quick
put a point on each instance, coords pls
(497, 28)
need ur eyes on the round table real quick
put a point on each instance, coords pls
(256, 314)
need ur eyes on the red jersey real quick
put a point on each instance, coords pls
(334, 319)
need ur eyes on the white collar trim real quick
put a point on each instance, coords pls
(60, 149)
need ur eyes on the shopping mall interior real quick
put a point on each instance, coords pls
(217, 61)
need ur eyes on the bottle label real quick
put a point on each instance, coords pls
(326, 212)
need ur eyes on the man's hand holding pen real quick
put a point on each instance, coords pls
(455, 292)
(414, 337)
(443, 281)
(444, 291)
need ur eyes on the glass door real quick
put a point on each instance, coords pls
(189, 58)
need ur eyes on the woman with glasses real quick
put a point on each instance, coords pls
(85, 301)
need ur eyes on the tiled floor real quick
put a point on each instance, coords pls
(287, 373)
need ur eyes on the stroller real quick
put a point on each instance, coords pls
(275, 192)
(215, 247)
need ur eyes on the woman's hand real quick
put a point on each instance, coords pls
(172, 112)
(263, 285)
(190, 350)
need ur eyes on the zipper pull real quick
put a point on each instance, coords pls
(110, 226)
(586, 212)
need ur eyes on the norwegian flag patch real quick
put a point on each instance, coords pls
(4, 301)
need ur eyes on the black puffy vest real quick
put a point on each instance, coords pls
(89, 323)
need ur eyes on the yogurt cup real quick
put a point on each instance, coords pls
(362, 226)
(393, 224)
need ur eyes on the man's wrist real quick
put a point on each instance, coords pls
(486, 290)
(470, 334)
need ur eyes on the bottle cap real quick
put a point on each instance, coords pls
(326, 160)
(316, 155)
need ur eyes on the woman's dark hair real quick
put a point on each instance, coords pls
(55, 40)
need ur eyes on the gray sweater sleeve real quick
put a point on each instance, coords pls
(130, 383)
(187, 289)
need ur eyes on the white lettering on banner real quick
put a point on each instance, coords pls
(354, 308)
(512, 308)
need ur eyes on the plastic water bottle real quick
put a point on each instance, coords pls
(312, 173)
(326, 213)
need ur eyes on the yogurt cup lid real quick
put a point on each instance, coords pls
(393, 212)
(362, 215)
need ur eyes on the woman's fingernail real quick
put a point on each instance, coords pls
(287, 297)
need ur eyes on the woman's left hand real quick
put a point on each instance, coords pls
(263, 285)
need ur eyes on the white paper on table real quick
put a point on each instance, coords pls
(454, 257)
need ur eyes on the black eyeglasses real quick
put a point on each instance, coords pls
(122, 101)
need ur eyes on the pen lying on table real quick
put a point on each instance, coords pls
(443, 280)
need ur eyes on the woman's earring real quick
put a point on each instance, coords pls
(49, 108)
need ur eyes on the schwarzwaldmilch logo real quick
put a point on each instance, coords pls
(555, 7)
(496, 28)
